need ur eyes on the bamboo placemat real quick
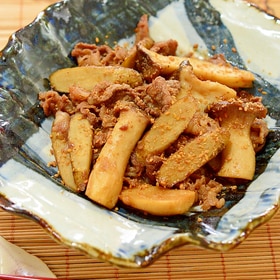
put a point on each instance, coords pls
(258, 257)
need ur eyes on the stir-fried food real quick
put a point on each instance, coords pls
(152, 130)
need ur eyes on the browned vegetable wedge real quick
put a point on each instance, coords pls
(166, 128)
(158, 201)
(106, 179)
(206, 92)
(192, 156)
(88, 76)
(129, 61)
(80, 144)
(237, 116)
(59, 138)
(152, 64)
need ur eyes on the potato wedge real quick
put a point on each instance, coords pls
(152, 64)
(190, 157)
(166, 128)
(106, 178)
(206, 92)
(59, 139)
(88, 76)
(158, 201)
(80, 144)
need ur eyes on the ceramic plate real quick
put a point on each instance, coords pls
(27, 184)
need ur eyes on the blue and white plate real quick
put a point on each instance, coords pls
(27, 183)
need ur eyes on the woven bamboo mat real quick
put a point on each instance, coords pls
(258, 257)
